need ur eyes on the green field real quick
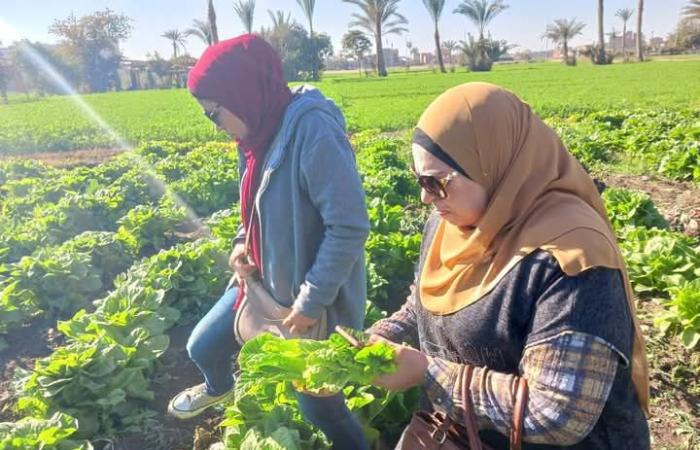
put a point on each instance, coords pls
(388, 104)
(121, 258)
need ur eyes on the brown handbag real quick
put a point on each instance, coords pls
(433, 431)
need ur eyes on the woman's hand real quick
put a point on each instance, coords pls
(411, 366)
(298, 323)
(238, 261)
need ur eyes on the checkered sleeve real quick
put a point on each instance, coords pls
(401, 326)
(569, 376)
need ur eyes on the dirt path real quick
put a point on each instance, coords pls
(25, 345)
(68, 159)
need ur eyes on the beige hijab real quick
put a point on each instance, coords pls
(540, 198)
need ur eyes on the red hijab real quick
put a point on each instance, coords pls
(244, 75)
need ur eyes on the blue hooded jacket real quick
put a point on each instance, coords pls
(312, 213)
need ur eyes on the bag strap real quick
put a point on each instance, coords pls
(469, 416)
(520, 391)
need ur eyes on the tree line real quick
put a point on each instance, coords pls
(88, 51)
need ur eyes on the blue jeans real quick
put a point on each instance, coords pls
(212, 346)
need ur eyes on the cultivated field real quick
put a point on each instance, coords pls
(108, 257)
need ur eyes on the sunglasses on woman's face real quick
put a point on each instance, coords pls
(213, 115)
(433, 185)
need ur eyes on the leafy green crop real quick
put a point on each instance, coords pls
(315, 366)
(101, 375)
(630, 208)
(265, 404)
(394, 103)
(396, 224)
(224, 224)
(659, 260)
(61, 279)
(683, 315)
(41, 434)
(590, 143)
(147, 228)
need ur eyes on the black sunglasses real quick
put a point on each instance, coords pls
(433, 185)
(213, 115)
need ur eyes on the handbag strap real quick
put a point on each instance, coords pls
(520, 393)
(516, 431)
(469, 416)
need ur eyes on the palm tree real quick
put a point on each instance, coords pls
(692, 10)
(356, 42)
(601, 59)
(379, 17)
(176, 38)
(450, 46)
(202, 30)
(307, 6)
(481, 12)
(278, 35)
(435, 8)
(640, 11)
(625, 14)
(211, 16)
(281, 23)
(245, 9)
(562, 31)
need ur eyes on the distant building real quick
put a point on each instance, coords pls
(545, 54)
(340, 63)
(657, 44)
(391, 57)
(630, 41)
(427, 58)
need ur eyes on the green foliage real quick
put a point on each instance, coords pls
(631, 208)
(314, 366)
(61, 279)
(210, 183)
(147, 228)
(385, 174)
(395, 103)
(659, 260)
(264, 401)
(396, 226)
(664, 141)
(683, 315)
(224, 224)
(91, 46)
(391, 260)
(21, 169)
(44, 213)
(590, 143)
(48, 266)
(45, 434)
(101, 375)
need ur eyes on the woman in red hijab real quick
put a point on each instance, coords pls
(303, 210)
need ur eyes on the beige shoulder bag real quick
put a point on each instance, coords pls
(259, 313)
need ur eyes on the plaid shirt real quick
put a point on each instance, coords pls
(569, 376)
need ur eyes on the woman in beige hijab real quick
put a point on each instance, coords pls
(519, 275)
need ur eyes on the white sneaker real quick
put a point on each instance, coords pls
(193, 401)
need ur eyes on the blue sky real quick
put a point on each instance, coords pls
(523, 23)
